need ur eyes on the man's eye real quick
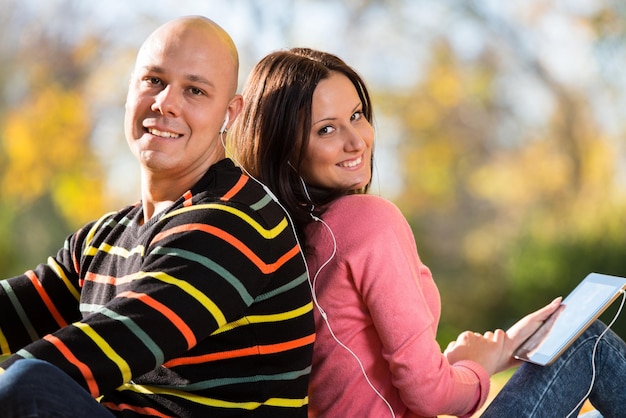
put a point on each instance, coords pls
(154, 80)
(196, 91)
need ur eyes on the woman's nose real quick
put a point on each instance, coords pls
(355, 141)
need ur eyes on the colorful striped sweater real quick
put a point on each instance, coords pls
(203, 311)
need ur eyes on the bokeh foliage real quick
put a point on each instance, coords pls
(51, 180)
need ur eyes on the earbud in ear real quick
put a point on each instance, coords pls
(223, 128)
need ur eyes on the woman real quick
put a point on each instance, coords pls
(306, 133)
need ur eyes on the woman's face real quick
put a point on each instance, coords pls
(340, 142)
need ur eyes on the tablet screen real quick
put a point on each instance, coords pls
(578, 310)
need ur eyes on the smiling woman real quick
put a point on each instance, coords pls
(306, 133)
(341, 138)
(340, 134)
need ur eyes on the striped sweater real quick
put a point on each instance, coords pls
(203, 311)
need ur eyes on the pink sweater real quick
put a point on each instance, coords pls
(382, 303)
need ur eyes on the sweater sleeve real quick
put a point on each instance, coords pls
(404, 304)
(41, 300)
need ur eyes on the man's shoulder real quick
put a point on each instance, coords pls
(235, 188)
(225, 192)
(123, 215)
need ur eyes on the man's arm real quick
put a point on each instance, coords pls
(41, 300)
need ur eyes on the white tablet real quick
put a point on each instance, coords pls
(577, 311)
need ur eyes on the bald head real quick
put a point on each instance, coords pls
(208, 38)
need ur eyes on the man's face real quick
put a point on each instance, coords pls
(177, 100)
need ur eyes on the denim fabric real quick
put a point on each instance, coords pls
(35, 388)
(553, 391)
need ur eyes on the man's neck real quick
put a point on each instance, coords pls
(158, 194)
(159, 190)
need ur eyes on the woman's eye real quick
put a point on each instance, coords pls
(325, 130)
(357, 115)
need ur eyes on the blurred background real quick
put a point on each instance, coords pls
(500, 129)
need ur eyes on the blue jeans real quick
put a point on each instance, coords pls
(553, 391)
(35, 388)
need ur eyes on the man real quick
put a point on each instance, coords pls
(193, 302)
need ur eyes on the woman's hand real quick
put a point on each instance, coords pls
(494, 350)
(525, 327)
(488, 350)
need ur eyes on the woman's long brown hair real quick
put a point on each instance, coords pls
(270, 136)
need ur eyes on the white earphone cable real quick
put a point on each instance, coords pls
(593, 356)
(326, 320)
(314, 279)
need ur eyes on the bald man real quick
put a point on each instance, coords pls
(193, 302)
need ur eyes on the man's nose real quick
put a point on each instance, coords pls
(167, 102)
